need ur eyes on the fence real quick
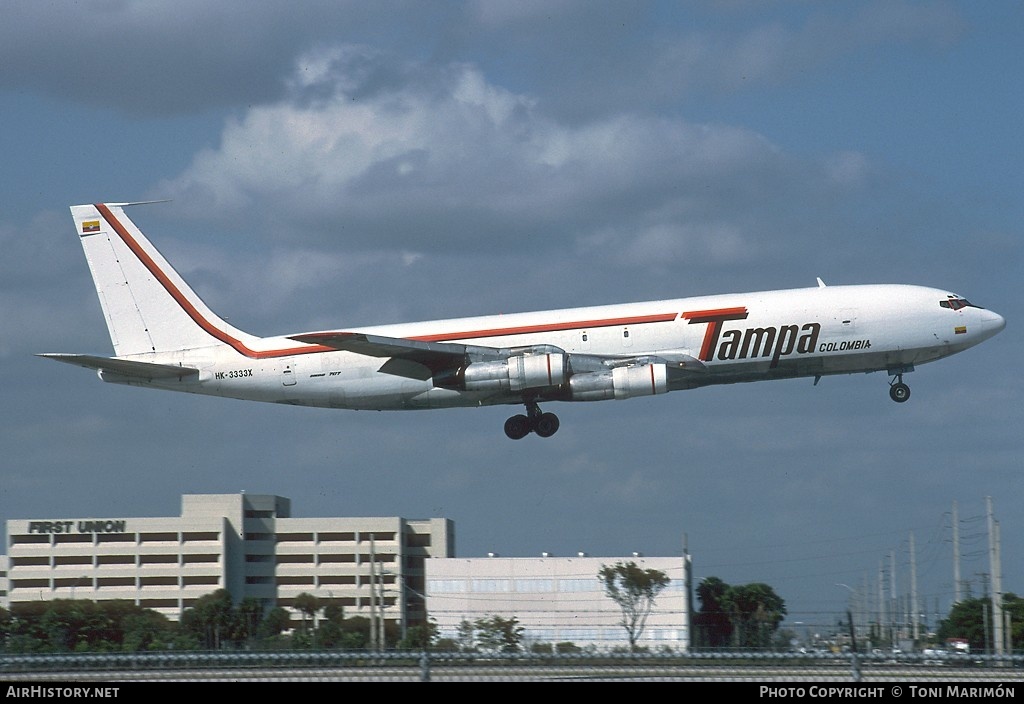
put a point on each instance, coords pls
(436, 666)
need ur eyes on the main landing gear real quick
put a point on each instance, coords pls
(544, 424)
(898, 391)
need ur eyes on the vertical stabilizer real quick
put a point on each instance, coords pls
(148, 307)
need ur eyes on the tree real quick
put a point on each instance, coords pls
(756, 612)
(497, 634)
(420, 637)
(145, 630)
(274, 623)
(745, 616)
(712, 625)
(210, 619)
(307, 605)
(972, 619)
(465, 636)
(634, 589)
(5, 627)
(352, 634)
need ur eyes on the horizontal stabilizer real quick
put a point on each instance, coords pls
(124, 367)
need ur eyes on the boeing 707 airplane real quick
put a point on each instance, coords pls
(165, 337)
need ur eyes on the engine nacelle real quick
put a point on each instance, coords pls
(513, 374)
(620, 383)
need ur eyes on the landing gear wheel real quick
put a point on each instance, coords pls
(899, 392)
(535, 421)
(545, 425)
(517, 427)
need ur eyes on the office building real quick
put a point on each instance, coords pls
(245, 543)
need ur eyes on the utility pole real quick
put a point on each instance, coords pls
(688, 586)
(892, 595)
(997, 582)
(1007, 635)
(956, 555)
(382, 642)
(883, 615)
(373, 596)
(916, 615)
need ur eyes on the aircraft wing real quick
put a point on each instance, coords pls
(124, 367)
(411, 358)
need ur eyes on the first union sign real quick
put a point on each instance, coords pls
(108, 526)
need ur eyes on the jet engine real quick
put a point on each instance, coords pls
(513, 374)
(620, 383)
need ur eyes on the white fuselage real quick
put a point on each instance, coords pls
(738, 337)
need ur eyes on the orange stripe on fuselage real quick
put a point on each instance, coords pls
(244, 349)
(547, 327)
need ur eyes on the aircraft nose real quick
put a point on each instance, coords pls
(992, 322)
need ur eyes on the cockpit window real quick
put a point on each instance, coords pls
(954, 303)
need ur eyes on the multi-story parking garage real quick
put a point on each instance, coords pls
(248, 544)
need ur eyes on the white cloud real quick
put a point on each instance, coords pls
(373, 153)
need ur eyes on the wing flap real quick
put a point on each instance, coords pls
(435, 356)
(124, 367)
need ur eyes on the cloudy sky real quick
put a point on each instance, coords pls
(336, 164)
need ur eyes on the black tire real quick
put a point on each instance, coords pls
(517, 427)
(546, 425)
(899, 392)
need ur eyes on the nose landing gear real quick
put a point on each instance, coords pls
(544, 424)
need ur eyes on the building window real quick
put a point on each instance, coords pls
(285, 581)
(73, 538)
(115, 538)
(83, 582)
(29, 539)
(193, 580)
(113, 582)
(165, 581)
(492, 585)
(30, 584)
(30, 561)
(192, 559)
(418, 540)
(326, 559)
(338, 579)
